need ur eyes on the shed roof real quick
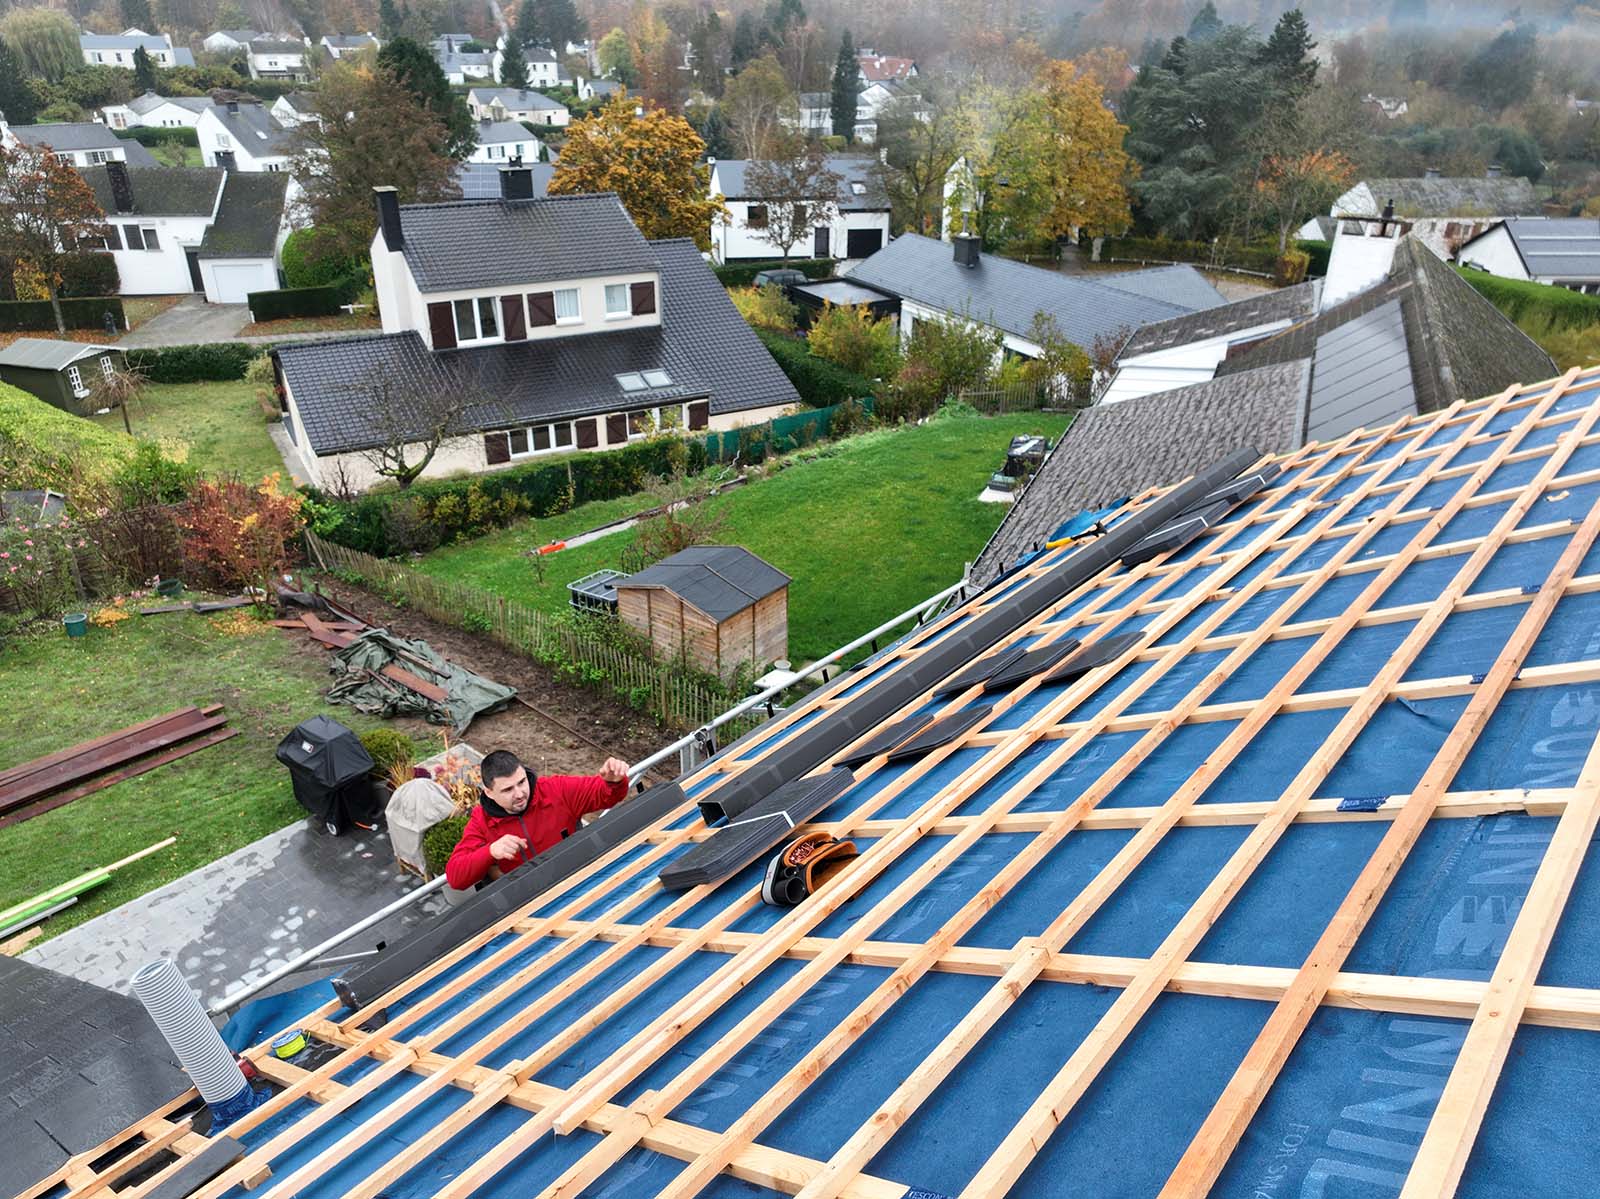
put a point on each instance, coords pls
(720, 580)
(45, 354)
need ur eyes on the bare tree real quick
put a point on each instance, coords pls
(799, 192)
(411, 418)
(120, 389)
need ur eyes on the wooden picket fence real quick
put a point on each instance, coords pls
(661, 688)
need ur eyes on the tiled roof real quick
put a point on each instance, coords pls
(482, 243)
(854, 172)
(1468, 196)
(720, 580)
(122, 41)
(160, 191)
(1179, 284)
(149, 102)
(247, 224)
(515, 98)
(1008, 294)
(878, 67)
(69, 135)
(253, 129)
(1287, 303)
(703, 345)
(494, 133)
(1116, 450)
(271, 46)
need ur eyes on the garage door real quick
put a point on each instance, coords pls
(235, 281)
(859, 243)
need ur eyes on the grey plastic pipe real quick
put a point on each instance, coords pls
(176, 1010)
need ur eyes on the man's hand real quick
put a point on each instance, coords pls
(614, 771)
(507, 848)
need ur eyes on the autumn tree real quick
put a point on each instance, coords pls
(760, 106)
(1085, 169)
(370, 132)
(48, 216)
(1293, 188)
(615, 55)
(44, 40)
(651, 161)
(239, 533)
(798, 190)
(413, 66)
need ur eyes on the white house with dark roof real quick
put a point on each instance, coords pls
(500, 142)
(151, 111)
(277, 58)
(576, 332)
(517, 104)
(337, 45)
(230, 41)
(816, 109)
(240, 135)
(544, 68)
(1442, 212)
(1559, 251)
(81, 143)
(597, 89)
(857, 227)
(294, 108)
(118, 49)
(461, 65)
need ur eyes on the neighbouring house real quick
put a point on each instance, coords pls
(879, 68)
(277, 58)
(337, 45)
(240, 135)
(230, 41)
(1393, 107)
(544, 69)
(516, 104)
(718, 606)
(193, 229)
(1444, 213)
(577, 333)
(857, 227)
(61, 373)
(816, 109)
(294, 108)
(460, 65)
(597, 89)
(504, 141)
(117, 49)
(937, 280)
(151, 111)
(81, 143)
(1560, 251)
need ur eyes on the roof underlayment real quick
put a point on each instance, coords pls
(1295, 896)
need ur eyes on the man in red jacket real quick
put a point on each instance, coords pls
(519, 815)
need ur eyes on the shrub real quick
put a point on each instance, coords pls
(42, 446)
(440, 841)
(239, 533)
(389, 750)
(150, 477)
(296, 301)
(820, 383)
(848, 336)
(955, 354)
(743, 274)
(1318, 252)
(194, 364)
(307, 264)
(90, 275)
(1291, 268)
(156, 136)
(24, 316)
(765, 307)
(1536, 303)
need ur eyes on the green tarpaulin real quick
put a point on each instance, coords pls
(362, 685)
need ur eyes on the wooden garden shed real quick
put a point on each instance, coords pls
(62, 373)
(717, 605)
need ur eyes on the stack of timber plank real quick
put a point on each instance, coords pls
(339, 633)
(44, 784)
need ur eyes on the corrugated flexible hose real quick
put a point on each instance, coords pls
(176, 1010)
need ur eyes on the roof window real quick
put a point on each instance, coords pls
(632, 381)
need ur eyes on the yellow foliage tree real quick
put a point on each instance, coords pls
(651, 160)
(1086, 168)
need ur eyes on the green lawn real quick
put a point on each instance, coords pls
(214, 801)
(868, 527)
(174, 154)
(219, 426)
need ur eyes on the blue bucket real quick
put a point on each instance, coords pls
(77, 623)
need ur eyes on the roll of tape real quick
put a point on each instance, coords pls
(289, 1044)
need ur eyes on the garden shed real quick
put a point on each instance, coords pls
(717, 605)
(62, 373)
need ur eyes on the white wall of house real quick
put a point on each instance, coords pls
(1178, 366)
(911, 312)
(502, 152)
(1496, 253)
(284, 64)
(163, 116)
(214, 136)
(1355, 263)
(160, 54)
(286, 114)
(221, 43)
(165, 269)
(733, 239)
(230, 280)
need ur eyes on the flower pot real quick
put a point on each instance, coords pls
(169, 587)
(77, 623)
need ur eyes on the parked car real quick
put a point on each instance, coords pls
(780, 277)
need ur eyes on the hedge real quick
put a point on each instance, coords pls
(157, 136)
(1538, 302)
(42, 446)
(304, 267)
(296, 301)
(743, 274)
(24, 316)
(374, 523)
(820, 383)
(195, 364)
(1318, 251)
(89, 275)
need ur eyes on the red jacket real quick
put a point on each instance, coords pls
(553, 811)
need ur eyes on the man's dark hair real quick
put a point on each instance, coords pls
(500, 764)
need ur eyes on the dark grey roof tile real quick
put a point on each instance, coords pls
(247, 224)
(1287, 303)
(720, 580)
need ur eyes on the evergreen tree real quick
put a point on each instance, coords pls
(1206, 24)
(1176, 59)
(388, 20)
(705, 40)
(513, 64)
(560, 23)
(846, 79)
(1288, 53)
(414, 68)
(136, 15)
(144, 71)
(529, 28)
(746, 39)
(16, 97)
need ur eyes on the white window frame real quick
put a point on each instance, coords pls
(75, 377)
(655, 423)
(106, 367)
(475, 307)
(553, 445)
(152, 240)
(618, 314)
(576, 315)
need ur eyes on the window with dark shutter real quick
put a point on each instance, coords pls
(496, 448)
(588, 433)
(511, 314)
(644, 298)
(699, 414)
(442, 324)
(616, 428)
(541, 308)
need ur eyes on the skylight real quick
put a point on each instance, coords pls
(658, 378)
(859, 189)
(632, 381)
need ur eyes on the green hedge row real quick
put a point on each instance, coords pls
(159, 136)
(1161, 249)
(1318, 251)
(87, 276)
(743, 274)
(1537, 302)
(377, 523)
(195, 364)
(297, 301)
(25, 316)
(820, 383)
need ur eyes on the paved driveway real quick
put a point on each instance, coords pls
(191, 321)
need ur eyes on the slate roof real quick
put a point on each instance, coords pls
(720, 580)
(515, 99)
(1007, 294)
(253, 129)
(1552, 248)
(851, 169)
(604, 88)
(1286, 303)
(349, 41)
(494, 133)
(1464, 196)
(123, 41)
(1178, 284)
(484, 243)
(149, 102)
(247, 224)
(1116, 450)
(267, 45)
(703, 344)
(69, 135)
(160, 191)
(44, 354)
